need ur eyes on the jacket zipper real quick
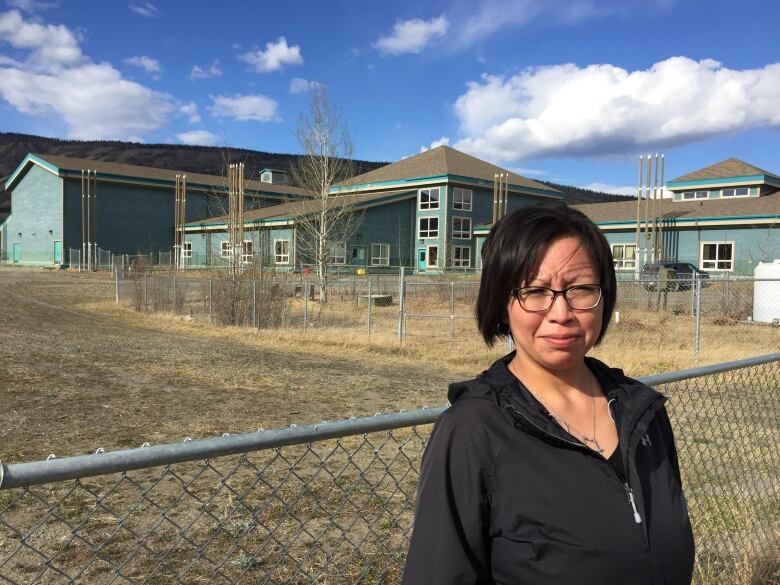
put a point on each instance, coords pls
(626, 484)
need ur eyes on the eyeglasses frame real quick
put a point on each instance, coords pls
(515, 292)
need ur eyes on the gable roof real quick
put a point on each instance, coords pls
(69, 166)
(726, 169)
(293, 209)
(625, 211)
(443, 160)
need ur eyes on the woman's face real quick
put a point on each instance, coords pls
(559, 338)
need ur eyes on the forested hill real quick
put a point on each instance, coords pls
(194, 159)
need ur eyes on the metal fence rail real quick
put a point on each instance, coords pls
(333, 502)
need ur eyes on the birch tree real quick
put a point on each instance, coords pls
(326, 220)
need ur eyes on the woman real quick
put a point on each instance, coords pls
(550, 467)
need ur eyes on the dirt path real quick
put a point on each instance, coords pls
(76, 374)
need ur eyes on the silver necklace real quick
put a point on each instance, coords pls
(590, 442)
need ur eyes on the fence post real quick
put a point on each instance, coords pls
(369, 308)
(146, 293)
(452, 316)
(116, 286)
(305, 306)
(254, 303)
(697, 327)
(401, 308)
(175, 304)
(210, 297)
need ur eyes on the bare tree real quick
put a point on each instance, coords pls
(327, 219)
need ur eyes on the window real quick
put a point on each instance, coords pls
(461, 257)
(717, 256)
(461, 228)
(224, 249)
(429, 227)
(281, 251)
(624, 256)
(247, 255)
(186, 250)
(695, 194)
(338, 253)
(429, 198)
(380, 254)
(432, 258)
(461, 199)
(736, 192)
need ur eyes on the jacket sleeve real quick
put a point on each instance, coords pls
(450, 543)
(671, 449)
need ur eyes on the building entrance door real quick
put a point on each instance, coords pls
(58, 252)
(16, 253)
(421, 253)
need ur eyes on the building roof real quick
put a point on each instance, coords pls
(443, 160)
(625, 211)
(731, 167)
(295, 209)
(69, 165)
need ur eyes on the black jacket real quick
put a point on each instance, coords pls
(506, 496)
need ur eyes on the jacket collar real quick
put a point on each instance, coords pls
(633, 404)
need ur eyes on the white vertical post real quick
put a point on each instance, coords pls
(370, 298)
(697, 328)
(401, 308)
(254, 303)
(116, 286)
(305, 306)
(452, 316)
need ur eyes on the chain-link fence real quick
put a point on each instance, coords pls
(333, 503)
(695, 318)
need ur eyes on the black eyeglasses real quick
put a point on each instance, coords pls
(537, 299)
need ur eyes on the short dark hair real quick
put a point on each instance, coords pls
(514, 249)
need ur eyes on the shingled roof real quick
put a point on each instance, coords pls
(626, 210)
(731, 167)
(295, 209)
(75, 165)
(443, 160)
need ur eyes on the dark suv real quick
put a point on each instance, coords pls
(681, 277)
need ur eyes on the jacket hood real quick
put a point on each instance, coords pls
(631, 402)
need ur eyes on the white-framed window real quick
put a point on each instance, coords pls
(186, 250)
(695, 195)
(248, 252)
(281, 251)
(735, 192)
(338, 253)
(429, 198)
(224, 249)
(380, 254)
(624, 256)
(432, 257)
(428, 227)
(461, 199)
(461, 228)
(461, 257)
(717, 256)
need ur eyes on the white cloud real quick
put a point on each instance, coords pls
(190, 109)
(146, 63)
(443, 141)
(275, 57)
(50, 45)
(32, 5)
(614, 189)
(565, 110)
(146, 9)
(300, 85)
(198, 138)
(412, 36)
(93, 99)
(212, 70)
(245, 107)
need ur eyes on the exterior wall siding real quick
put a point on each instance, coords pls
(36, 204)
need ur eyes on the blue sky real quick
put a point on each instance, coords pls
(569, 91)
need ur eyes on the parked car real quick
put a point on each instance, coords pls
(682, 277)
